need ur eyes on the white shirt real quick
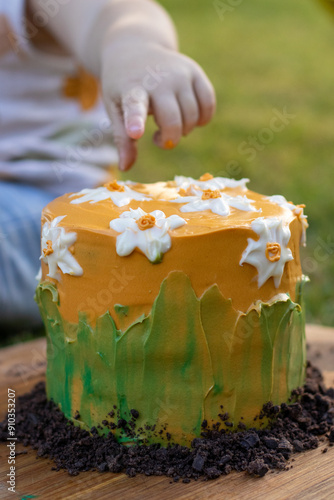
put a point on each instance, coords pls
(53, 132)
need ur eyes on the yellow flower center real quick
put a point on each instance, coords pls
(146, 222)
(206, 177)
(273, 252)
(48, 250)
(209, 194)
(114, 186)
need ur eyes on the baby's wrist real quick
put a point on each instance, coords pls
(124, 52)
(125, 28)
(139, 41)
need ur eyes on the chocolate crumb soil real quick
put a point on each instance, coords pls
(294, 428)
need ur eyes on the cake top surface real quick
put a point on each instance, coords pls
(206, 204)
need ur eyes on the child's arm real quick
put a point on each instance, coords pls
(131, 45)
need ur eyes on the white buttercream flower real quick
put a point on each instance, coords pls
(269, 253)
(55, 250)
(297, 210)
(207, 181)
(214, 200)
(146, 231)
(118, 192)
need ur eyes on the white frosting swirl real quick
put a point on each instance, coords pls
(214, 183)
(55, 250)
(272, 234)
(119, 198)
(297, 210)
(219, 204)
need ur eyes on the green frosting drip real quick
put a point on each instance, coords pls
(121, 310)
(177, 365)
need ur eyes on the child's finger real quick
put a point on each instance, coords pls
(205, 97)
(135, 107)
(189, 110)
(168, 117)
(126, 146)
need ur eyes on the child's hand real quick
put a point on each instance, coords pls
(142, 79)
(131, 45)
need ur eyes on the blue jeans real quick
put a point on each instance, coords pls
(20, 228)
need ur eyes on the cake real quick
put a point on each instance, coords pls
(171, 304)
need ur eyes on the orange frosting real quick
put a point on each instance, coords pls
(185, 192)
(208, 249)
(169, 144)
(210, 194)
(114, 186)
(206, 177)
(146, 222)
(299, 214)
(48, 250)
(273, 252)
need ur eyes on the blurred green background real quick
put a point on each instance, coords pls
(263, 57)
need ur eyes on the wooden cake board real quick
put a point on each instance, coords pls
(310, 477)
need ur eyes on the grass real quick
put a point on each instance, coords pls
(264, 56)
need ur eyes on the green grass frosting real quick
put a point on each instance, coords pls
(177, 365)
